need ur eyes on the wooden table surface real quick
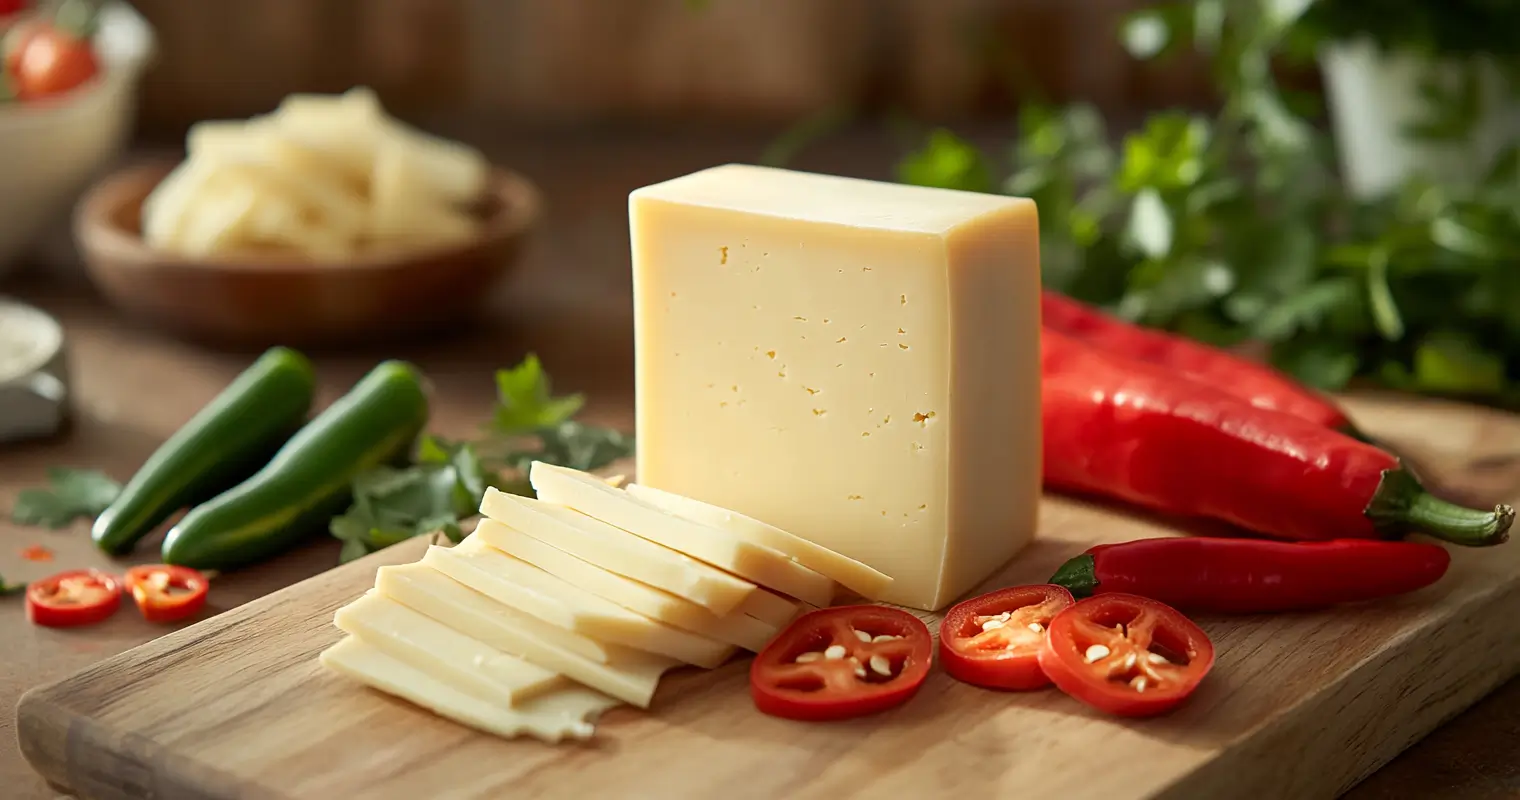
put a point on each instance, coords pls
(570, 303)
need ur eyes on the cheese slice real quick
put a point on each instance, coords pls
(584, 646)
(428, 644)
(619, 551)
(767, 606)
(562, 714)
(736, 629)
(631, 677)
(720, 548)
(850, 573)
(513, 581)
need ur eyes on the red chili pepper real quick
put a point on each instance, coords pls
(1126, 655)
(1248, 576)
(994, 640)
(1139, 433)
(166, 593)
(69, 599)
(823, 668)
(1257, 384)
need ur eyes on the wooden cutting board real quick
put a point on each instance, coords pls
(1298, 706)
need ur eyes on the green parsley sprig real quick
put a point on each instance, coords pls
(71, 494)
(447, 479)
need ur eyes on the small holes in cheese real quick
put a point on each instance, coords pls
(818, 412)
(923, 418)
(724, 252)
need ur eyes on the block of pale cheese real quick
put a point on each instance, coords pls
(852, 362)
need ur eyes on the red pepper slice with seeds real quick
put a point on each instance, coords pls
(994, 640)
(842, 662)
(166, 593)
(73, 598)
(1126, 655)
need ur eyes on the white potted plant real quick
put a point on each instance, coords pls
(1418, 86)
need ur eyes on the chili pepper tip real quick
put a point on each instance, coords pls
(1079, 575)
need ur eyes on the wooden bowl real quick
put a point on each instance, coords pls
(263, 299)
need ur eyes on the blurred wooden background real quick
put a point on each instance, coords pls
(556, 62)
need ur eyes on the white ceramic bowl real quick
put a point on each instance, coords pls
(49, 151)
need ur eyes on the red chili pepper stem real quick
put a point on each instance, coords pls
(1079, 576)
(1401, 505)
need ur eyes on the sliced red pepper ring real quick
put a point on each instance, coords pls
(837, 663)
(165, 593)
(994, 640)
(70, 599)
(1126, 655)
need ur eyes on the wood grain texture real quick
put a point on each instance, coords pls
(1298, 706)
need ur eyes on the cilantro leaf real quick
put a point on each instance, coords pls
(9, 588)
(393, 504)
(577, 446)
(72, 494)
(524, 403)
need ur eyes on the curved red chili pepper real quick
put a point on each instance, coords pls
(1257, 384)
(1245, 576)
(1142, 434)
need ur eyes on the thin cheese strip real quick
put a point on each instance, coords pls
(460, 594)
(720, 548)
(767, 606)
(746, 632)
(428, 644)
(508, 580)
(631, 677)
(567, 713)
(619, 551)
(850, 573)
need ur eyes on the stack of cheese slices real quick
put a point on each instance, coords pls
(559, 608)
